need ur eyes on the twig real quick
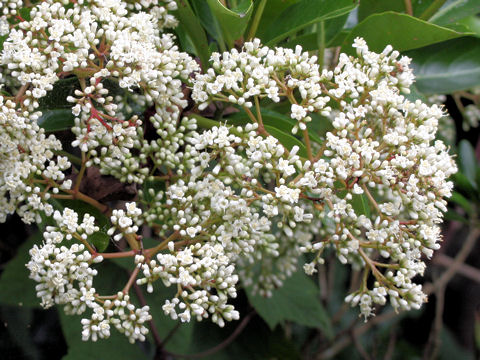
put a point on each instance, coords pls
(391, 344)
(141, 299)
(359, 346)
(408, 7)
(433, 344)
(458, 260)
(463, 269)
(131, 280)
(344, 341)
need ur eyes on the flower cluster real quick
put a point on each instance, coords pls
(226, 205)
(378, 155)
(26, 154)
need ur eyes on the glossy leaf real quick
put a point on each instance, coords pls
(304, 13)
(297, 300)
(100, 240)
(56, 120)
(57, 97)
(255, 342)
(361, 205)
(17, 288)
(232, 21)
(455, 11)
(333, 30)
(116, 346)
(83, 208)
(271, 13)
(369, 7)
(447, 67)
(470, 24)
(155, 185)
(274, 119)
(452, 215)
(192, 27)
(468, 161)
(182, 337)
(402, 31)
(462, 183)
(459, 199)
(287, 140)
(2, 40)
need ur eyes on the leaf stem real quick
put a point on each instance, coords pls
(408, 7)
(163, 244)
(432, 9)
(117, 255)
(308, 145)
(256, 19)
(321, 43)
(80, 173)
(131, 280)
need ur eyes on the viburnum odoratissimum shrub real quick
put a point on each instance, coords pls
(228, 204)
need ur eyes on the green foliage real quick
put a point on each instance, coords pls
(233, 22)
(297, 300)
(402, 31)
(56, 120)
(16, 287)
(302, 14)
(455, 11)
(445, 49)
(192, 26)
(447, 67)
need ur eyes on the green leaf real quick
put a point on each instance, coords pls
(56, 120)
(190, 23)
(57, 97)
(16, 288)
(452, 215)
(271, 13)
(25, 13)
(455, 11)
(369, 7)
(182, 337)
(232, 21)
(450, 66)
(333, 31)
(302, 14)
(256, 341)
(463, 183)
(450, 348)
(110, 280)
(471, 24)
(287, 140)
(155, 185)
(274, 119)
(415, 95)
(2, 40)
(298, 300)
(83, 208)
(361, 205)
(18, 322)
(402, 31)
(468, 161)
(459, 199)
(100, 240)
(115, 347)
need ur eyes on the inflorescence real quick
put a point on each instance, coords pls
(228, 204)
